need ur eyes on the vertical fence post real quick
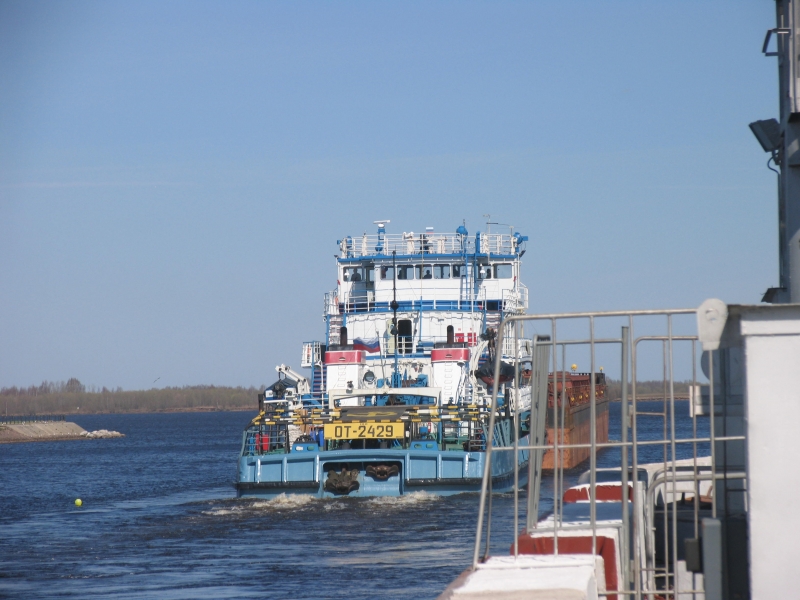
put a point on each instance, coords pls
(625, 550)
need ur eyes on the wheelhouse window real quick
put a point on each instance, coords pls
(424, 271)
(459, 271)
(441, 271)
(387, 272)
(503, 271)
(353, 274)
(405, 272)
(484, 271)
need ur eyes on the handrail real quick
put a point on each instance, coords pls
(662, 450)
(427, 298)
(410, 243)
(552, 317)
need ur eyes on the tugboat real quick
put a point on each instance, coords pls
(399, 395)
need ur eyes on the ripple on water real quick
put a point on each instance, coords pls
(160, 520)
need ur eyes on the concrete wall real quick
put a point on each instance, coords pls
(771, 344)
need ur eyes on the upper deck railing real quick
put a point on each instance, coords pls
(506, 300)
(410, 243)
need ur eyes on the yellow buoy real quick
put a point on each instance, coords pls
(574, 367)
(78, 502)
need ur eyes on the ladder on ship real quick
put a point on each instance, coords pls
(492, 320)
(317, 379)
(313, 357)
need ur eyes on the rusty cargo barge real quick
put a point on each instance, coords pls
(573, 391)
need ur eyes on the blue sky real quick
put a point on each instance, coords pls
(174, 175)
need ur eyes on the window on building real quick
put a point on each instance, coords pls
(504, 271)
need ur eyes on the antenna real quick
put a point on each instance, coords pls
(381, 232)
(394, 306)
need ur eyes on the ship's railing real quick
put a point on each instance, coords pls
(422, 345)
(265, 439)
(665, 453)
(330, 303)
(524, 347)
(516, 301)
(312, 354)
(417, 346)
(427, 243)
(429, 298)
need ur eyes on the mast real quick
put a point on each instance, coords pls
(396, 383)
(781, 138)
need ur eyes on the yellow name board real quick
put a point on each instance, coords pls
(364, 431)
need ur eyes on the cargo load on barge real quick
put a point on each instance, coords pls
(573, 393)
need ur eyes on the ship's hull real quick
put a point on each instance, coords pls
(436, 472)
(576, 428)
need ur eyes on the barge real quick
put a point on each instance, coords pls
(573, 422)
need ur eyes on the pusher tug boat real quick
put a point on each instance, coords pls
(399, 393)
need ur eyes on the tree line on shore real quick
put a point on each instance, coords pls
(72, 397)
(646, 388)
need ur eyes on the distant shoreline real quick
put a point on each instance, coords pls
(203, 409)
(143, 411)
(72, 398)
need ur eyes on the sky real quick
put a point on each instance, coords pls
(174, 175)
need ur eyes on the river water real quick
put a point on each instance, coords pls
(160, 520)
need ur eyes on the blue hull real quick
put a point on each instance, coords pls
(432, 471)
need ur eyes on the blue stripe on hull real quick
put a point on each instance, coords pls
(434, 472)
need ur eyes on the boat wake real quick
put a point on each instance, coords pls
(285, 502)
(412, 499)
(298, 502)
(281, 503)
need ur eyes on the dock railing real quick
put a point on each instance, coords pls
(666, 462)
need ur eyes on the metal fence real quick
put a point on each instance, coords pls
(666, 467)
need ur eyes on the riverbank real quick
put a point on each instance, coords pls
(50, 431)
(37, 432)
(72, 399)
